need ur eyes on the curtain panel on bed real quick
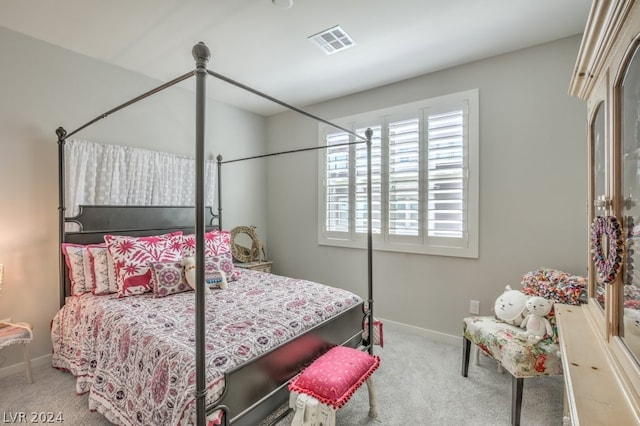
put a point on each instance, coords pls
(100, 174)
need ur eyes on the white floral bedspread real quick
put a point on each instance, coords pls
(136, 355)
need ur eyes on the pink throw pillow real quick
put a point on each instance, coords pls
(336, 375)
(132, 256)
(104, 276)
(73, 257)
(168, 278)
(76, 257)
(215, 243)
(222, 262)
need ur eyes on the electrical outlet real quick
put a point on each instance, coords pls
(474, 307)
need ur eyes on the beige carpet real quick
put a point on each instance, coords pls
(418, 383)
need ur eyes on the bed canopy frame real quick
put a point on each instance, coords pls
(202, 217)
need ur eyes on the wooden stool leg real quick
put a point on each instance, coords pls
(476, 352)
(466, 351)
(373, 410)
(27, 362)
(516, 399)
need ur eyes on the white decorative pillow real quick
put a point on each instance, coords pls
(132, 256)
(223, 262)
(215, 242)
(89, 282)
(168, 278)
(103, 269)
(74, 258)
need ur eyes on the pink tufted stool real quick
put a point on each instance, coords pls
(328, 383)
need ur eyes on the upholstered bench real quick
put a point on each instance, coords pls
(520, 358)
(328, 383)
(19, 332)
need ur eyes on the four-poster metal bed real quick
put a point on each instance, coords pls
(239, 401)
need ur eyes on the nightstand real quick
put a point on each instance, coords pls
(258, 265)
(19, 332)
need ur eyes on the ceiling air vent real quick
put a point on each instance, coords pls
(332, 40)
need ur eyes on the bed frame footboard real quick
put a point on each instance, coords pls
(256, 389)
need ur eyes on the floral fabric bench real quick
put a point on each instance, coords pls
(519, 357)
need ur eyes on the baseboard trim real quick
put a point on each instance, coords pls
(435, 335)
(19, 367)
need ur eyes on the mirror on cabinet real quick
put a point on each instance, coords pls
(630, 192)
(599, 182)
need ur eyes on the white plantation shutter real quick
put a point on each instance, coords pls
(424, 179)
(404, 177)
(446, 172)
(337, 183)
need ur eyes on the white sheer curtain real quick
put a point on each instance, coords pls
(98, 174)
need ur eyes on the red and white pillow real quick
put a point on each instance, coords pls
(217, 252)
(123, 264)
(132, 257)
(80, 268)
(102, 269)
(74, 258)
(222, 262)
(215, 242)
(168, 278)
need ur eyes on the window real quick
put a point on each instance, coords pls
(424, 178)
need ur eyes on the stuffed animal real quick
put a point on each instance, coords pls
(510, 306)
(212, 278)
(536, 325)
(189, 263)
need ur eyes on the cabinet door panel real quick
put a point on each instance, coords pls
(630, 193)
(599, 179)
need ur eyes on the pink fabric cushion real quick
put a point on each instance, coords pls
(336, 375)
(168, 278)
(132, 256)
(222, 262)
(215, 243)
(76, 257)
(103, 269)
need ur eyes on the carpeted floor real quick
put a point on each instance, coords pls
(418, 383)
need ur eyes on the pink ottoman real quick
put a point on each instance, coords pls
(328, 383)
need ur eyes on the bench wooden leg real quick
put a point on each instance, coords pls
(466, 351)
(516, 399)
(373, 410)
(27, 362)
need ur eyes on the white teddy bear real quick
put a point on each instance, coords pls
(536, 325)
(510, 306)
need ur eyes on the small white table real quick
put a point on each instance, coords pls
(19, 332)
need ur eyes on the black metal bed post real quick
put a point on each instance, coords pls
(369, 134)
(219, 162)
(201, 55)
(62, 135)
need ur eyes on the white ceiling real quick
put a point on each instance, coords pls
(265, 47)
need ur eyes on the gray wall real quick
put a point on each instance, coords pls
(533, 171)
(44, 87)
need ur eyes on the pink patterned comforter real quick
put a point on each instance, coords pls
(136, 355)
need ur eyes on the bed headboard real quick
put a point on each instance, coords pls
(97, 221)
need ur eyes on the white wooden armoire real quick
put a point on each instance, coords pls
(600, 341)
